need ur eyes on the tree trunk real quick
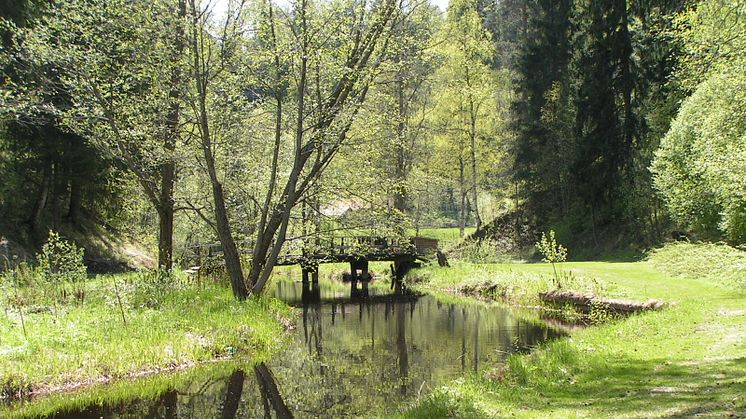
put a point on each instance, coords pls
(222, 225)
(462, 192)
(76, 201)
(41, 203)
(473, 150)
(260, 278)
(233, 395)
(165, 236)
(400, 169)
(168, 167)
(347, 89)
(270, 391)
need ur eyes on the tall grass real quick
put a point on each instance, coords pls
(169, 323)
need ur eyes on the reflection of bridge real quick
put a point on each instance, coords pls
(358, 251)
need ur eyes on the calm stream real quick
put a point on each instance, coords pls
(365, 354)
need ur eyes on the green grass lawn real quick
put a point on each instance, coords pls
(687, 359)
(168, 326)
(445, 235)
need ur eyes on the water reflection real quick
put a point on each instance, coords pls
(366, 351)
(362, 351)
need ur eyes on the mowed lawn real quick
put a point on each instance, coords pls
(688, 359)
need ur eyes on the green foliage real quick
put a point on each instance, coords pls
(449, 402)
(487, 250)
(61, 261)
(553, 252)
(701, 165)
(149, 289)
(713, 262)
(465, 111)
(711, 35)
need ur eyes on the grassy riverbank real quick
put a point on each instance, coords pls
(123, 326)
(687, 359)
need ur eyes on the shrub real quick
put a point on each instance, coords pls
(701, 164)
(149, 289)
(715, 262)
(553, 253)
(61, 261)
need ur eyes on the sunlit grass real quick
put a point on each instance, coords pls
(685, 360)
(90, 341)
(446, 236)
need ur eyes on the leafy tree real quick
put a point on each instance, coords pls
(711, 35)
(543, 110)
(119, 96)
(553, 253)
(465, 106)
(699, 168)
(316, 134)
(605, 121)
(701, 165)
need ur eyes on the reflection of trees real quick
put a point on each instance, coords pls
(233, 395)
(270, 393)
(372, 361)
(401, 348)
(312, 325)
(476, 342)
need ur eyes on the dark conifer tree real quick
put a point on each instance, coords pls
(542, 68)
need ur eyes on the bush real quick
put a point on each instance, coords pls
(701, 164)
(553, 252)
(149, 289)
(61, 261)
(481, 251)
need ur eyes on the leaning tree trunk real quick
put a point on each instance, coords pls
(222, 225)
(41, 203)
(400, 191)
(473, 158)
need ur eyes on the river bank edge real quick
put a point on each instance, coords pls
(101, 343)
(687, 359)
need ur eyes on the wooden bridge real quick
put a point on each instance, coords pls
(358, 251)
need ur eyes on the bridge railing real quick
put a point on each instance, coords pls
(330, 246)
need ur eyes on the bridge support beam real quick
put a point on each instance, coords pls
(310, 267)
(310, 293)
(359, 264)
(399, 269)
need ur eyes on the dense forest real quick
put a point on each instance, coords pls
(170, 123)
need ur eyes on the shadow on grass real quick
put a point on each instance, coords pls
(653, 387)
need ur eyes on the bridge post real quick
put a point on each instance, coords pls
(399, 269)
(362, 265)
(310, 266)
(310, 293)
